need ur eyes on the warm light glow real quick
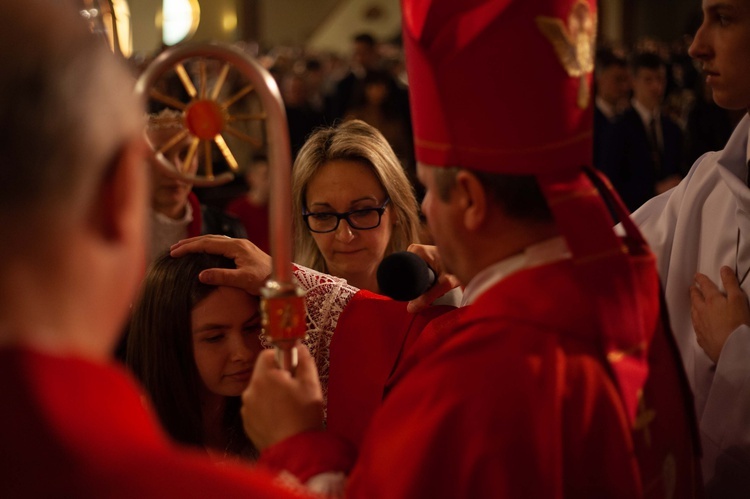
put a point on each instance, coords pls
(111, 21)
(229, 22)
(124, 29)
(180, 19)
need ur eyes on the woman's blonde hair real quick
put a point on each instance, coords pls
(355, 141)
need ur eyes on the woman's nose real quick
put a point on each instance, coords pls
(344, 232)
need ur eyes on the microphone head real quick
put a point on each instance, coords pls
(404, 276)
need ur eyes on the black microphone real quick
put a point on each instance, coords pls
(404, 276)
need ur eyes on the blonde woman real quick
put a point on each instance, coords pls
(353, 203)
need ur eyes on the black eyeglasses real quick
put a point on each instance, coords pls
(366, 219)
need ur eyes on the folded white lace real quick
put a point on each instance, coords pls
(325, 298)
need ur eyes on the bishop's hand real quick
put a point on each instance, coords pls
(277, 405)
(253, 265)
(445, 281)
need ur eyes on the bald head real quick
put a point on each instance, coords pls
(67, 106)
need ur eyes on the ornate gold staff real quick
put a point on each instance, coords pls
(208, 117)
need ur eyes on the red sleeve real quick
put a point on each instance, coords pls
(308, 454)
(371, 338)
(194, 227)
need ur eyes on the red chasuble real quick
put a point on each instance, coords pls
(516, 400)
(72, 428)
(364, 358)
(512, 397)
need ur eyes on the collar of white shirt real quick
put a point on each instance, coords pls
(164, 220)
(606, 108)
(166, 231)
(645, 114)
(548, 251)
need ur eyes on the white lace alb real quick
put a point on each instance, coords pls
(325, 299)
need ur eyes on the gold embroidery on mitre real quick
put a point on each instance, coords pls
(618, 355)
(574, 45)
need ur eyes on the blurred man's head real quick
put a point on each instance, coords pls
(73, 186)
(68, 108)
(649, 79)
(295, 90)
(721, 46)
(612, 78)
(169, 195)
(365, 51)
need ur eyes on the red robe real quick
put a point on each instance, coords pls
(360, 370)
(255, 220)
(512, 397)
(72, 428)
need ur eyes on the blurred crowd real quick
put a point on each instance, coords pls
(654, 117)
(322, 89)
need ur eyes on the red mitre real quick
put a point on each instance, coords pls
(503, 86)
(512, 79)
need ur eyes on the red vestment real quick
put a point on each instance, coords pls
(362, 365)
(72, 428)
(512, 397)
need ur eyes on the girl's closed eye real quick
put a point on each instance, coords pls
(213, 337)
(252, 324)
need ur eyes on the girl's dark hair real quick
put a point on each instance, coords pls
(160, 348)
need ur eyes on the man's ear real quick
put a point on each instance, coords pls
(120, 205)
(469, 187)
